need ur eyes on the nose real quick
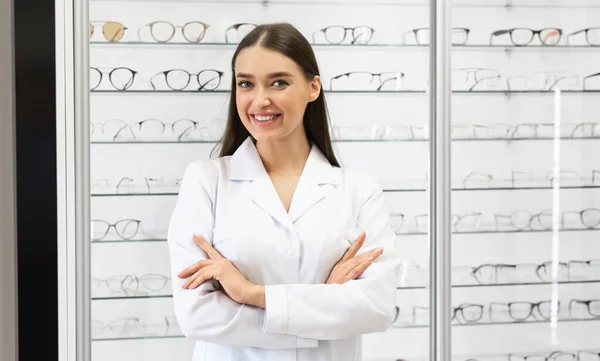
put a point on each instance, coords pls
(262, 97)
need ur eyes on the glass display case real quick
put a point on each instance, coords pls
(525, 170)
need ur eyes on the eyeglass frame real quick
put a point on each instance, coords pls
(174, 27)
(532, 307)
(137, 229)
(190, 75)
(354, 38)
(398, 76)
(236, 27)
(501, 32)
(416, 30)
(130, 83)
(95, 23)
(586, 35)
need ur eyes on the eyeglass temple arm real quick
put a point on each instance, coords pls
(587, 77)
(408, 32)
(498, 33)
(139, 34)
(575, 33)
(573, 300)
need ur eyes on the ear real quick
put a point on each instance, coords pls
(315, 89)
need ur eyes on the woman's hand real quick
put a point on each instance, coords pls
(352, 266)
(218, 268)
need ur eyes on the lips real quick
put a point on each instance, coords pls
(264, 119)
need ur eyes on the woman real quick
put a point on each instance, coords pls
(277, 253)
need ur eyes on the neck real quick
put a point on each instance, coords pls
(285, 156)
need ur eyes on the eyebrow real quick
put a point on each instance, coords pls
(272, 75)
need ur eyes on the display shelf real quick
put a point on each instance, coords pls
(136, 338)
(494, 4)
(494, 323)
(416, 233)
(363, 140)
(393, 326)
(399, 233)
(397, 190)
(129, 240)
(401, 288)
(424, 92)
(408, 47)
(108, 298)
(223, 91)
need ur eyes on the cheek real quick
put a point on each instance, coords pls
(242, 104)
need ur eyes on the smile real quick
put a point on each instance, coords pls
(265, 119)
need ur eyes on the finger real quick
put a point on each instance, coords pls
(351, 252)
(355, 261)
(189, 281)
(194, 268)
(358, 270)
(206, 247)
(203, 276)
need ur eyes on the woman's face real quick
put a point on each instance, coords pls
(271, 94)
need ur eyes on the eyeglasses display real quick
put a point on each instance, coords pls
(524, 36)
(364, 80)
(421, 36)
(519, 220)
(128, 185)
(505, 312)
(588, 356)
(336, 34)
(521, 311)
(460, 223)
(523, 126)
(236, 32)
(475, 79)
(120, 78)
(132, 327)
(111, 30)
(413, 275)
(131, 285)
(544, 81)
(180, 130)
(179, 79)
(563, 178)
(555, 355)
(592, 36)
(163, 31)
(124, 228)
(591, 82)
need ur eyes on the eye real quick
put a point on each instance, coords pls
(280, 83)
(244, 84)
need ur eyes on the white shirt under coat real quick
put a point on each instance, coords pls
(231, 202)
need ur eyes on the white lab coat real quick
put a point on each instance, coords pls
(232, 203)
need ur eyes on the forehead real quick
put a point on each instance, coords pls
(259, 61)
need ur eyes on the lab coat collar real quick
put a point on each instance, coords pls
(245, 164)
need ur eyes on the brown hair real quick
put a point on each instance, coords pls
(286, 40)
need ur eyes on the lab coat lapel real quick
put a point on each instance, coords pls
(246, 165)
(313, 184)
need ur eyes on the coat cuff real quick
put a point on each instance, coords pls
(276, 310)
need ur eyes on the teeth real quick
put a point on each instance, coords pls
(264, 118)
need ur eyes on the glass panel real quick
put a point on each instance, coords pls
(161, 83)
(526, 276)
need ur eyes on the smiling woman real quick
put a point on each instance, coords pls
(275, 72)
(278, 253)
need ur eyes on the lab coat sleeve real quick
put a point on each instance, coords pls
(206, 313)
(365, 305)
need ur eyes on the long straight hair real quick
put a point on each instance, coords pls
(286, 40)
